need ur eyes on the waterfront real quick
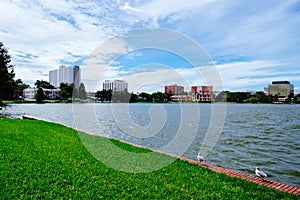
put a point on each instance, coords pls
(253, 135)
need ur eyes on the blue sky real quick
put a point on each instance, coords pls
(251, 42)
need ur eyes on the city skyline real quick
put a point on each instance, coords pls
(122, 85)
(64, 72)
(250, 43)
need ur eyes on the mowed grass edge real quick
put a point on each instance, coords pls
(45, 160)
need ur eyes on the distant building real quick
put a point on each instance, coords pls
(266, 91)
(202, 93)
(174, 89)
(90, 95)
(281, 88)
(65, 75)
(115, 85)
(29, 93)
(181, 97)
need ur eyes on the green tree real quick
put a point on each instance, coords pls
(253, 99)
(64, 95)
(104, 95)
(229, 96)
(289, 99)
(145, 97)
(121, 97)
(66, 90)
(81, 91)
(270, 98)
(40, 97)
(43, 84)
(21, 86)
(7, 84)
(133, 98)
(160, 97)
(19, 81)
(221, 97)
(275, 99)
(261, 97)
(297, 98)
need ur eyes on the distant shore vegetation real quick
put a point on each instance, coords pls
(108, 96)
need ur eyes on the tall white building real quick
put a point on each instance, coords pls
(115, 85)
(65, 75)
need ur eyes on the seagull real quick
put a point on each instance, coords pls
(200, 158)
(260, 173)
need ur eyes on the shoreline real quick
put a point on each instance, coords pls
(268, 183)
(8, 102)
(42, 160)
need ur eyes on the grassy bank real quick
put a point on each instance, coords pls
(28, 101)
(45, 160)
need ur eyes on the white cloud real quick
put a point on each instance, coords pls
(128, 8)
(151, 12)
(161, 9)
(258, 29)
(97, 67)
(255, 74)
(48, 33)
(42, 34)
(130, 46)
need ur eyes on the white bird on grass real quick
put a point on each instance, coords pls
(200, 158)
(260, 173)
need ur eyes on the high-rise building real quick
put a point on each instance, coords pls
(281, 88)
(115, 85)
(202, 93)
(65, 75)
(174, 89)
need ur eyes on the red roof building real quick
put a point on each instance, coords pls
(174, 89)
(202, 93)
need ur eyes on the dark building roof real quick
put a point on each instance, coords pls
(280, 82)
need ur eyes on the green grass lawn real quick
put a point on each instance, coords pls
(28, 101)
(44, 160)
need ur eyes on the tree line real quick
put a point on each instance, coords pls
(125, 97)
(257, 97)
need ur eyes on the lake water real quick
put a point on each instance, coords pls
(263, 135)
